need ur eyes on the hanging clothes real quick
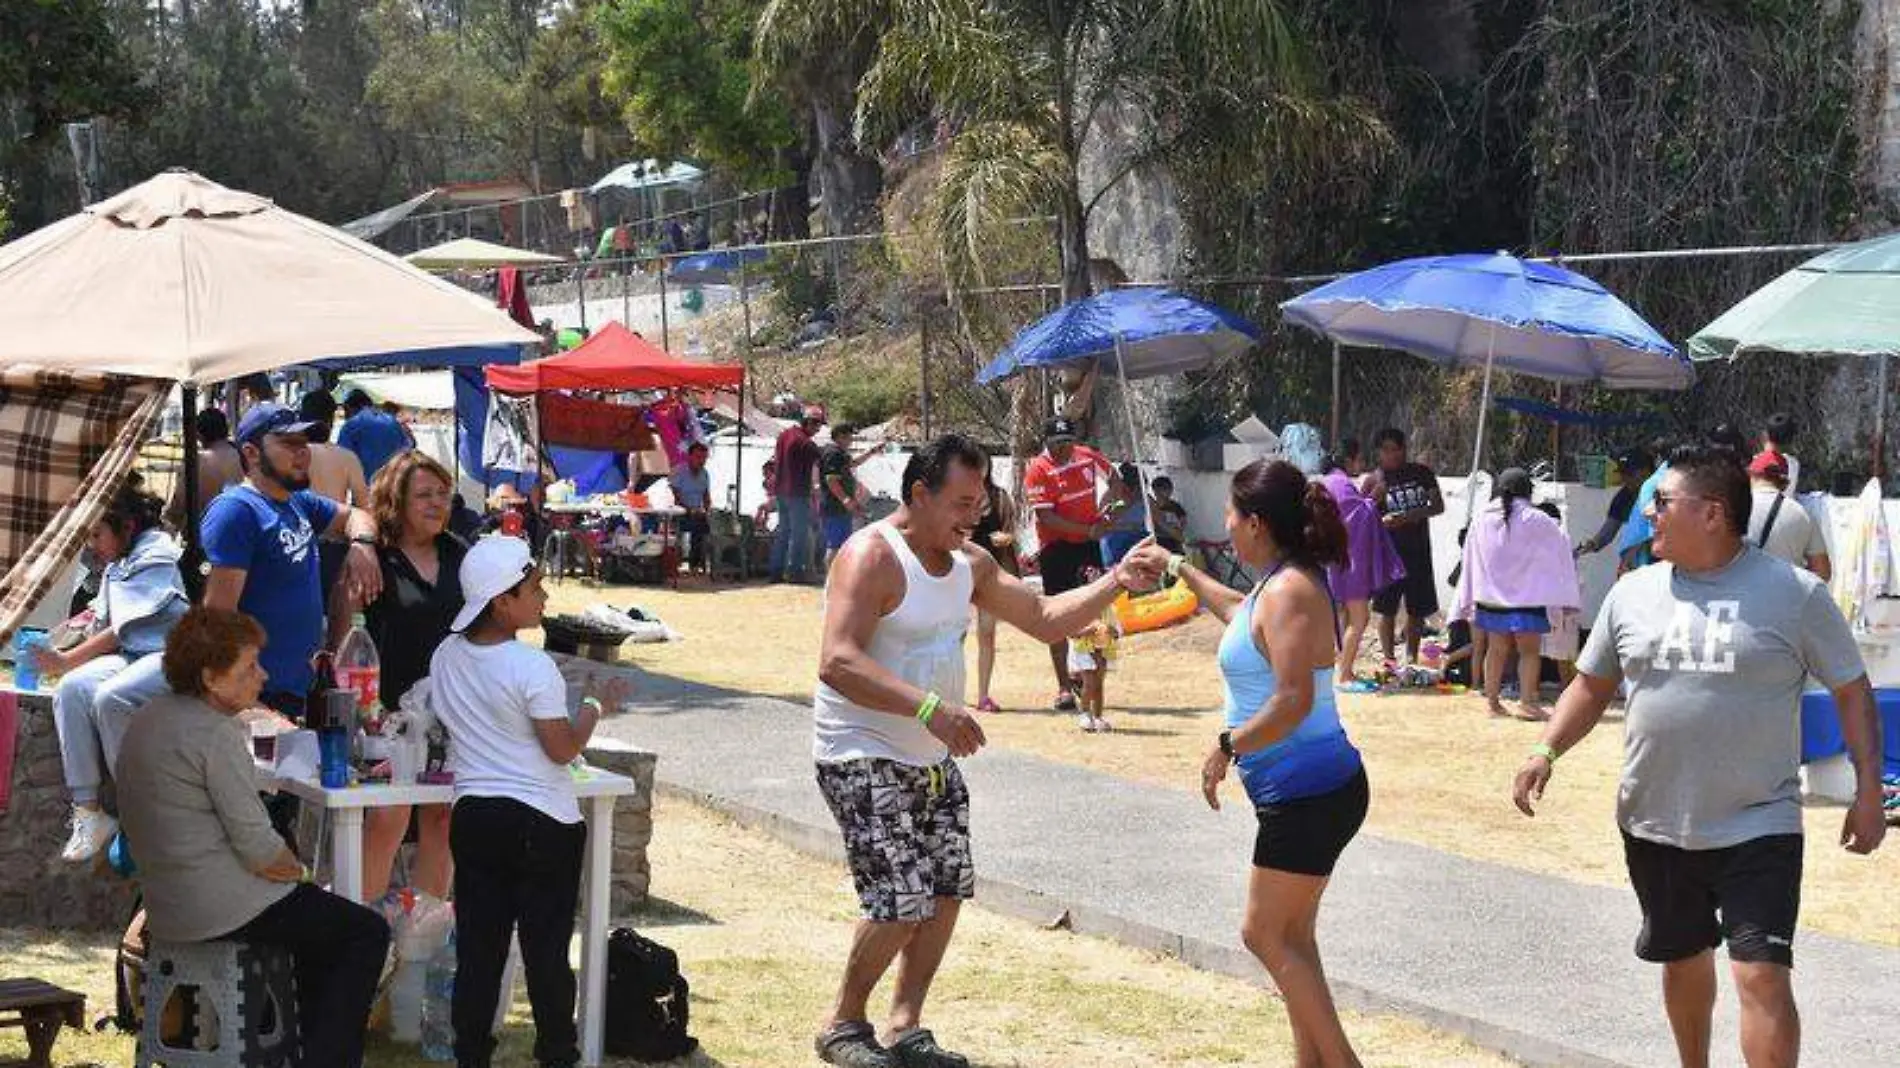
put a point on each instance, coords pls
(511, 438)
(579, 423)
(511, 296)
(677, 427)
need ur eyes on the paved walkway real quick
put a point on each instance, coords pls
(1536, 967)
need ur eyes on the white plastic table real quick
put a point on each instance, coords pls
(345, 808)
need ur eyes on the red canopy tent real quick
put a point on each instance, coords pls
(614, 358)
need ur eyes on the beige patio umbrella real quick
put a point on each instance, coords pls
(474, 254)
(180, 278)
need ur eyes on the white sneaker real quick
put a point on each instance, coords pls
(1086, 722)
(1101, 724)
(92, 831)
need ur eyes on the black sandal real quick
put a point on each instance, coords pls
(918, 1049)
(852, 1044)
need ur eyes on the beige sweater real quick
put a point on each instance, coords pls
(188, 803)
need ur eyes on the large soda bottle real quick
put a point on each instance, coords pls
(360, 671)
(438, 1032)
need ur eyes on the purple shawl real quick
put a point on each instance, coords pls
(1525, 564)
(1372, 561)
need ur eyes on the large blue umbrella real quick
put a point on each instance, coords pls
(1138, 333)
(1157, 331)
(713, 268)
(1495, 311)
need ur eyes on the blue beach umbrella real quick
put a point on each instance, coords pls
(1157, 332)
(1495, 311)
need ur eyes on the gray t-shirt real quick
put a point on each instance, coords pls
(1795, 537)
(1715, 663)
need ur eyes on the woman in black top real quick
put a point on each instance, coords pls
(422, 591)
(995, 532)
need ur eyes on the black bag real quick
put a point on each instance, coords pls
(646, 1000)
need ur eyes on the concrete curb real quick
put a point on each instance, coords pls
(1034, 906)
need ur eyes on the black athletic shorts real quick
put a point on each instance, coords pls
(1307, 836)
(1747, 895)
(1418, 589)
(1062, 563)
(906, 834)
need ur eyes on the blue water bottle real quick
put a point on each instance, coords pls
(26, 671)
(333, 738)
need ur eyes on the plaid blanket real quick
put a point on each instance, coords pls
(67, 441)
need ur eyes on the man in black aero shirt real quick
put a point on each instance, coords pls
(1408, 498)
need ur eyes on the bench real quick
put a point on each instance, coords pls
(39, 1008)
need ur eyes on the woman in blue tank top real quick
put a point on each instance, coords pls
(1303, 776)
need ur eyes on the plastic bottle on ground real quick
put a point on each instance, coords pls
(438, 1030)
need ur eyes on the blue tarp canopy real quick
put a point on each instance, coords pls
(1161, 333)
(1550, 413)
(714, 267)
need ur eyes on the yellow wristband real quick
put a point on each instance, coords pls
(1544, 750)
(929, 708)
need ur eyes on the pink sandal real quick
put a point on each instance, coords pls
(988, 705)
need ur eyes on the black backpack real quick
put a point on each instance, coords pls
(646, 1000)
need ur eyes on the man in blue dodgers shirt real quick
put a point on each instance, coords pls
(372, 434)
(260, 538)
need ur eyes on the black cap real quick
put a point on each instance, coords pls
(1058, 429)
(1635, 458)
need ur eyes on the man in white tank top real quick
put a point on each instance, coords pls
(888, 716)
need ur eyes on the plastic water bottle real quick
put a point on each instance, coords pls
(438, 1030)
(360, 670)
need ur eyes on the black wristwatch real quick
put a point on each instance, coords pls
(1227, 745)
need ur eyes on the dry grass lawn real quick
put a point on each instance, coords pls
(761, 931)
(1441, 769)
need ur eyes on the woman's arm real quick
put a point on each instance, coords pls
(231, 785)
(1289, 609)
(59, 663)
(1218, 597)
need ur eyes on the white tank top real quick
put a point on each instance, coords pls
(922, 643)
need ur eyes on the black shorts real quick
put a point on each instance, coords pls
(1418, 589)
(1062, 563)
(1307, 836)
(1747, 895)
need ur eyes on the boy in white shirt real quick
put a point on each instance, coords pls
(516, 833)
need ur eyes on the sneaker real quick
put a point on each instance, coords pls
(1065, 702)
(92, 830)
(918, 1049)
(1086, 722)
(1102, 725)
(853, 1045)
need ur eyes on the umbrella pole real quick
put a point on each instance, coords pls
(188, 408)
(1134, 444)
(1484, 409)
(1334, 438)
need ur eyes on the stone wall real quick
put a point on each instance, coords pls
(36, 888)
(633, 821)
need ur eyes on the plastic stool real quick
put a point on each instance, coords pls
(251, 988)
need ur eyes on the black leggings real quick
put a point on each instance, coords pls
(516, 870)
(339, 948)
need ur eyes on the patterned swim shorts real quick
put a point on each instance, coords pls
(906, 834)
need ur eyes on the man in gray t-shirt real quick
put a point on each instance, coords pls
(1714, 645)
(1779, 524)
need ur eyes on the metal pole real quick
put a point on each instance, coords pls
(666, 337)
(580, 289)
(1484, 408)
(1134, 444)
(188, 404)
(626, 294)
(745, 362)
(1334, 438)
(1557, 435)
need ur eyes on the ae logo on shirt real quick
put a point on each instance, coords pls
(1715, 653)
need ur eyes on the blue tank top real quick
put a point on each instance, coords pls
(1316, 758)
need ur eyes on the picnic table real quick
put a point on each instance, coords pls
(664, 520)
(343, 813)
(39, 1008)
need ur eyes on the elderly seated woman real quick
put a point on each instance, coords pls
(210, 864)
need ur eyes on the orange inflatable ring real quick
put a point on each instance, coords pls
(1152, 611)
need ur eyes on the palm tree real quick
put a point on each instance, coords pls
(1024, 85)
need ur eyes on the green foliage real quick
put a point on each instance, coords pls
(803, 286)
(679, 69)
(870, 396)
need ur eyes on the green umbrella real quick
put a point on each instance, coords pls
(1841, 303)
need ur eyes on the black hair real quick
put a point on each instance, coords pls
(1129, 474)
(1514, 485)
(132, 512)
(1300, 514)
(1780, 430)
(1390, 435)
(1550, 509)
(1712, 471)
(1161, 482)
(356, 401)
(839, 430)
(212, 426)
(931, 464)
(320, 408)
(1725, 436)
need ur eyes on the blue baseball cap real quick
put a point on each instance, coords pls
(270, 418)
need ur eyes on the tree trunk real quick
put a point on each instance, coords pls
(791, 206)
(851, 179)
(1072, 236)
